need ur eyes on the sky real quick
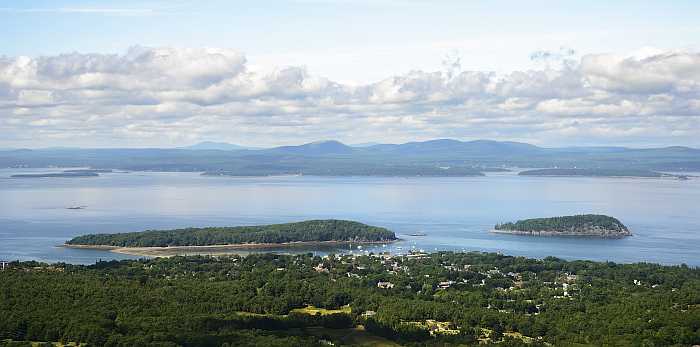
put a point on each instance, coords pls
(265, 73)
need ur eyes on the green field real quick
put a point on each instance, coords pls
(312, 310)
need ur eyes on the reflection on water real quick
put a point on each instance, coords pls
(453, 213)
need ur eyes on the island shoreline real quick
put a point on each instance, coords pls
(216, 249)
(582, 234)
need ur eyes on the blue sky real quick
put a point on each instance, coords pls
(353, 41)
(361, 57)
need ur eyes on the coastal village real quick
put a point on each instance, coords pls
(435, 275)
(494, 288)
(409, 273)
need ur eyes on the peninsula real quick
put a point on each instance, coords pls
(595, 173)
(221, 239)
(579, 225)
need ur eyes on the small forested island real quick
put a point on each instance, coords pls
(439, 299)
(57, 175)
(98, 171)
(306, 232)
(578, 225)
(595, 173)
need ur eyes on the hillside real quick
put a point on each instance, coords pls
(439, 299)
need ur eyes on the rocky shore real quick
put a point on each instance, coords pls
(600, 233)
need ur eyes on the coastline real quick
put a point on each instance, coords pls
(604, 176)
(215, 249)
(590, 234)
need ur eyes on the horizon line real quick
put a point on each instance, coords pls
(366, 144)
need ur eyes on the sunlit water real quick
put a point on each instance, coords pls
(454, 213)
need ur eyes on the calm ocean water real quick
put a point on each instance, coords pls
(454, 213)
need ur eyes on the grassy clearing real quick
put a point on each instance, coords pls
(437, 327)
(486, 337)
(312, 310)
(252, 314)
(517, 335)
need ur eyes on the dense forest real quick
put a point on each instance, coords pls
(306, 231)
(304, 300)
(577, 223)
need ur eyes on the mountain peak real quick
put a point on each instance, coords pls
(211, 145)
(316, 148)
(326, 143)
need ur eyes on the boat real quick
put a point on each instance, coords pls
(76, 208)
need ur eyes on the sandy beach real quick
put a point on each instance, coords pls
(213, 249)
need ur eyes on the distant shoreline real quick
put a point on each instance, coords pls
(609, 173)
(668, 177)
(215, 249)
(57, 175)
(595, 234)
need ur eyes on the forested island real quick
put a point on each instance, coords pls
(57, 175)
(578, 225)
(595, 173)
(97, 171)
(312, 231)
(439, 299)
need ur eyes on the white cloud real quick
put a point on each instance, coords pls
(671, 72)
(167, 96)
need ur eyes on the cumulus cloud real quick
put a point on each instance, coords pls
(171, 96)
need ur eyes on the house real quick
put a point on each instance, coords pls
(515, 275)
(417, 255)
(320, 268)
(445, 284)
(4, 265)
(368, 314)
(493, 272)
(385, 285)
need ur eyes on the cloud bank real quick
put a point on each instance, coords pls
(168, 96)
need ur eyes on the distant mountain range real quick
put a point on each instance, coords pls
(318, 146)
(314, 148)
(364, 144)
(454, 147)
(218, 146)
(442, 157)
